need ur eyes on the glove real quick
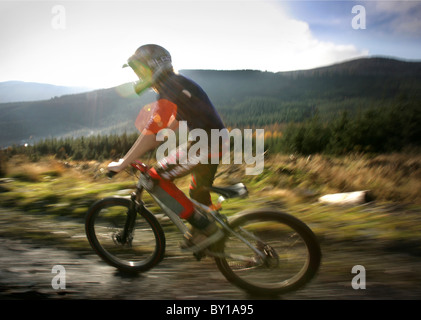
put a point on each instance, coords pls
(116, 166)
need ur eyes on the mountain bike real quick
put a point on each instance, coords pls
(263, 251)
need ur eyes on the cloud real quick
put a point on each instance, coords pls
(257, 35)
(398, 18)
(99, 36)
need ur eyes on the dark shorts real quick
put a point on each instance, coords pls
(202, 174)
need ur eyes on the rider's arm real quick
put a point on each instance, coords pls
(163, 116)
(173, 123)
(144, 143)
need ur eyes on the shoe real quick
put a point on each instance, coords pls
(200, 239)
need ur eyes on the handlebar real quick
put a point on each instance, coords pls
(137, 165)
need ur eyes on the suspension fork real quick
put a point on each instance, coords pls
(135, 205)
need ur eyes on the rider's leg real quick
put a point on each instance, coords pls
(178, 201)
(203, 175)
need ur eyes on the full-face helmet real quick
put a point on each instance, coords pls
(149, 62)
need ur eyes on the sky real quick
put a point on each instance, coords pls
(85, 43)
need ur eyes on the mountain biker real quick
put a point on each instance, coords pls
(179, 99)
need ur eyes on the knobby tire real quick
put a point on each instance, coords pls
(125, 266)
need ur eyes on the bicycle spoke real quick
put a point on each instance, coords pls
(287, 259)
(123, 239)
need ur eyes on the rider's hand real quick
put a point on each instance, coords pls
(116, 166)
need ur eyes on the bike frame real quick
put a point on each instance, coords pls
(138, 204)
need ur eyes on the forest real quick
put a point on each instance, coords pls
(385, 129)
(368, 105)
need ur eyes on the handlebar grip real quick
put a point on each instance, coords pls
(111, 174)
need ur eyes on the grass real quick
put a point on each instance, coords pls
(57, 188)
(394, 177)
(294, 184)
(54, 190)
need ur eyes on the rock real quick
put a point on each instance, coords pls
(347, 198)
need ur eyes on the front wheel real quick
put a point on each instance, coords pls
(290, 253)
(128, 240)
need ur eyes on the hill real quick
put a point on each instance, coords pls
(14, 91)
(100, 111)
(375, 66)
(245, 98)
(255, 98)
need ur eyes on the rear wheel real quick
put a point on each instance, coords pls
(125, 239)
(291, 253)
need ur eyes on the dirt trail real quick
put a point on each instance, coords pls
(26, 272)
